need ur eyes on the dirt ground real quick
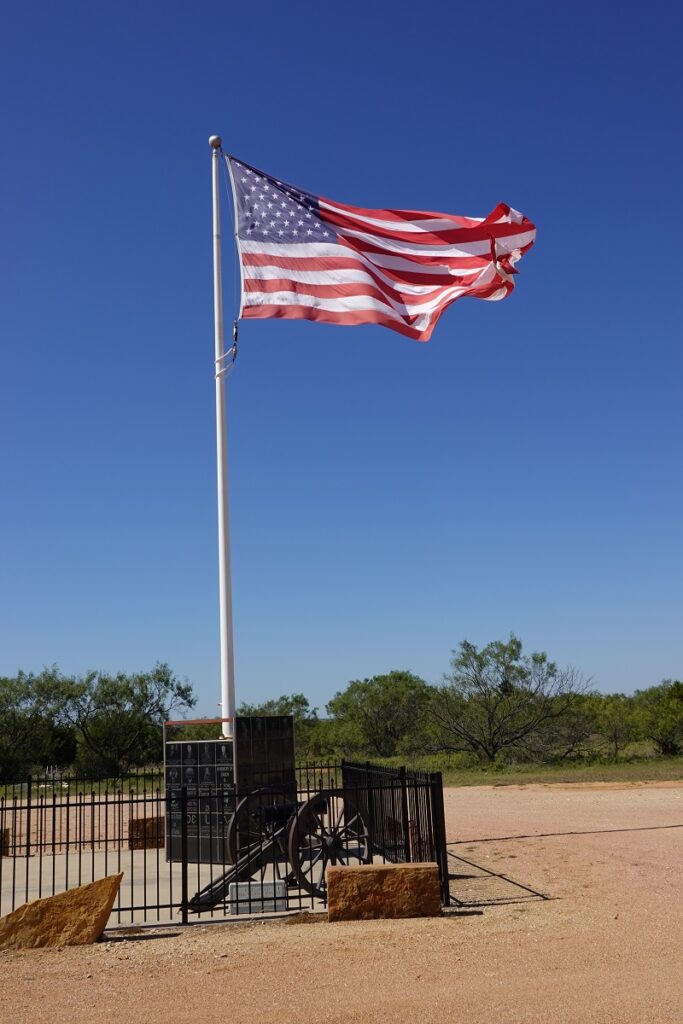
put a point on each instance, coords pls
(568, 907)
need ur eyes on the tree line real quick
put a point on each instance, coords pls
(495, 705)
(98, 724)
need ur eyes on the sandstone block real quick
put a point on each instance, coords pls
(369, 891)
(145, 833)
(72, 918)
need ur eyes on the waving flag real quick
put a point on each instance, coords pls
(303, 256)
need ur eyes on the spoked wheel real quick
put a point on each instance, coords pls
(324, 832)
(256, 820)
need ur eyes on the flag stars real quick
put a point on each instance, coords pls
(286, 214)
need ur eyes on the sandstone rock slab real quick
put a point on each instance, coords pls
(72, 918)
(146, 833)
(370, 891)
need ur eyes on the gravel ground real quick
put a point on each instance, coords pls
(569, 908)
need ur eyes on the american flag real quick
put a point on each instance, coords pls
(304, 256)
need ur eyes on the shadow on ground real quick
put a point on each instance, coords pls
(552, 835)
(137, 935)
(472, 885)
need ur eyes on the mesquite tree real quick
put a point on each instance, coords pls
(498, 699)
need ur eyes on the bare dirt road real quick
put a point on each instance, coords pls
(569, 907)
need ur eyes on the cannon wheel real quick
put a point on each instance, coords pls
(246, 830)
(325, 832)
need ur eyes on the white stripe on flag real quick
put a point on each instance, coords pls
(343, 275)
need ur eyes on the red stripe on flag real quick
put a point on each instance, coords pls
(331, 263)
(398, 216)
(480, 233)
(365, 316)
(335, 291)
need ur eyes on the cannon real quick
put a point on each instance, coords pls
(296, 840)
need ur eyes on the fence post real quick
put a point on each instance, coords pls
(370, 810)
(183, 856)
(404, 814)
(439, 821)
(29, 790)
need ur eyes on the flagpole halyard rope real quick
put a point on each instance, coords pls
(231, 353)
(232, 206)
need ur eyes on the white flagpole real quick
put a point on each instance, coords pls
(224, 575)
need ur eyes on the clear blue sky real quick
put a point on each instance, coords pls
(521, 472)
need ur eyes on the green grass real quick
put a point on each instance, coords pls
(646, 769)
(637, 764)
(63, 788)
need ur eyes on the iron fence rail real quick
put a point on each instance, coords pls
(269, 853)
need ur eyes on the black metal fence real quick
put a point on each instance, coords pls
(405, 812)
(270, 847)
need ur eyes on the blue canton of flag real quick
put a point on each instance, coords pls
(271, 210)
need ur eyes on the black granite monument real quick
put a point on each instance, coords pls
(215, 774)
